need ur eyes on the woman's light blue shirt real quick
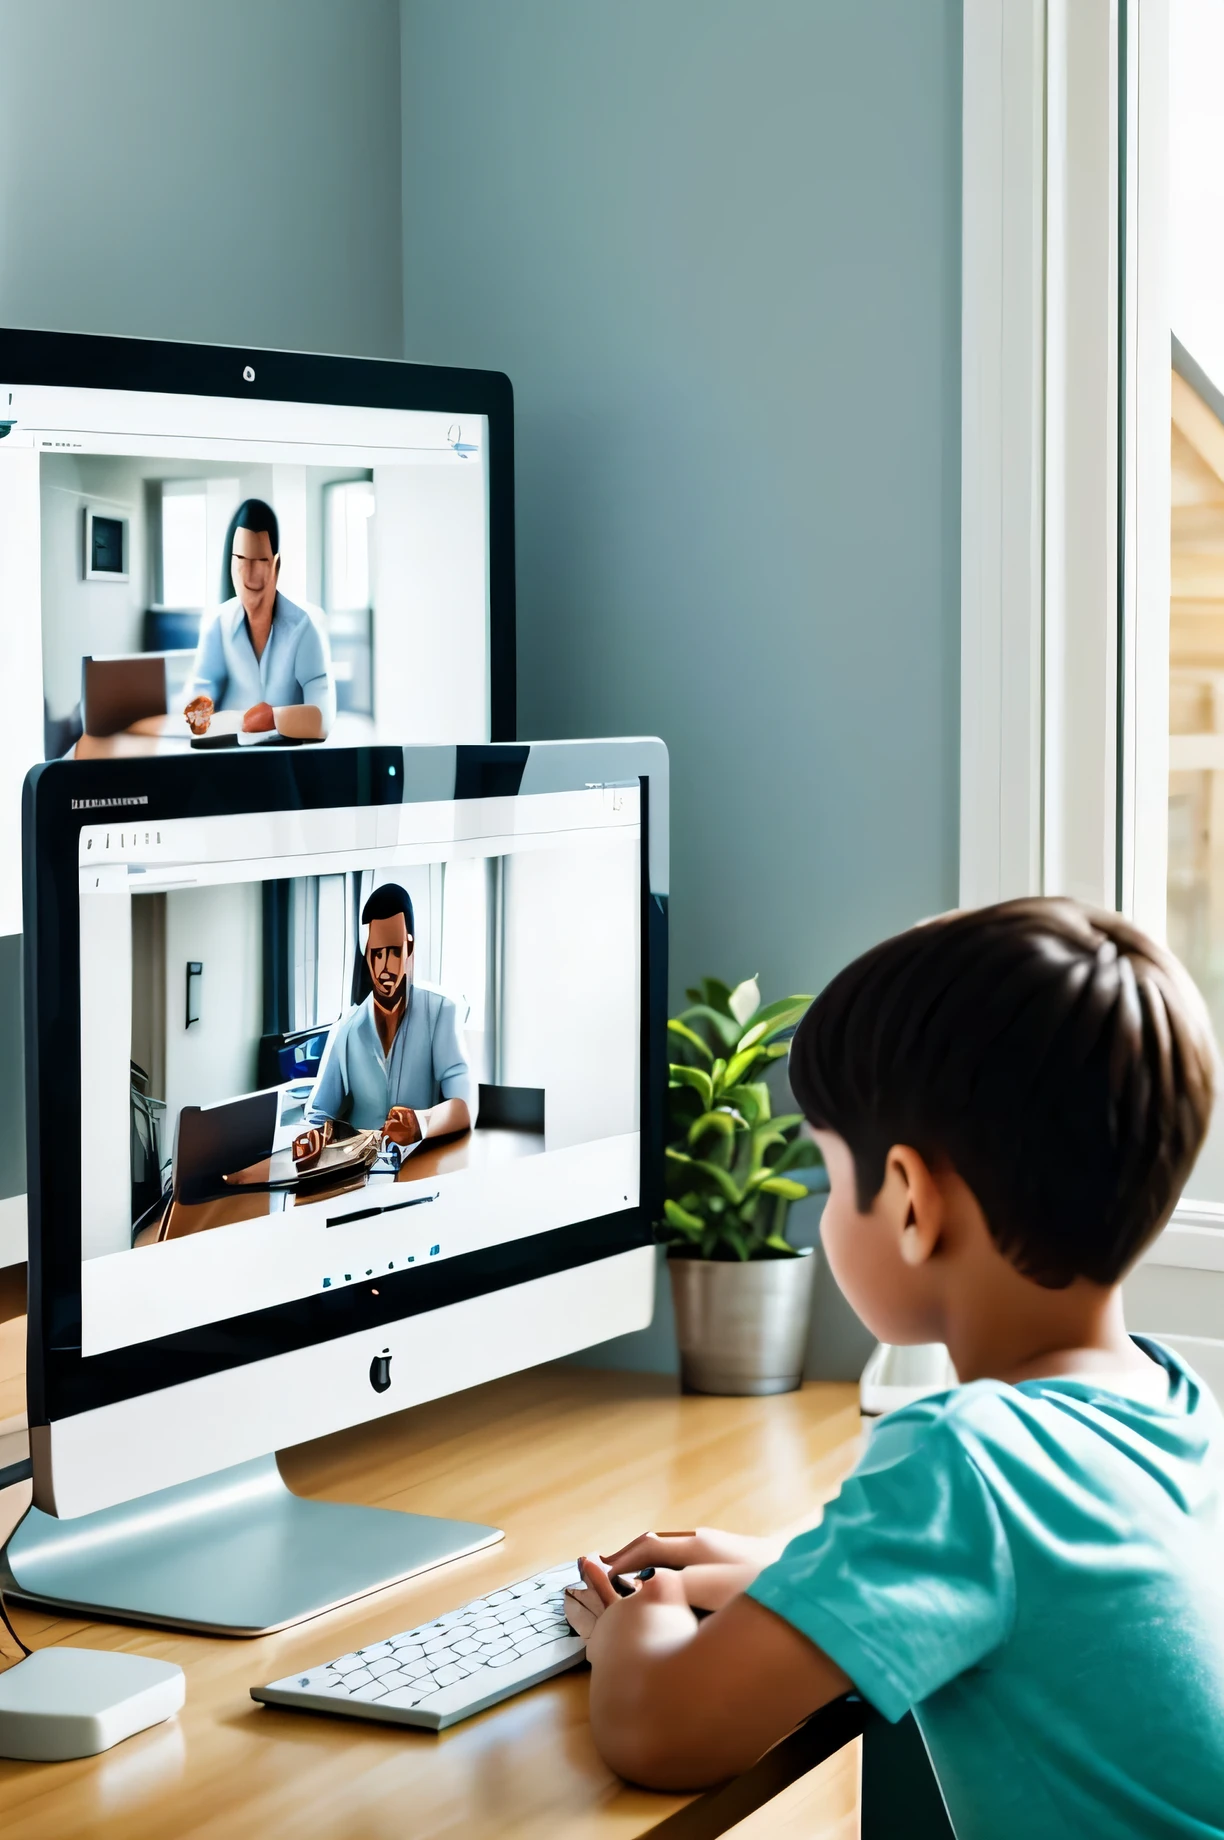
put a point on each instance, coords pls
(295, 666)
(1037, 1571)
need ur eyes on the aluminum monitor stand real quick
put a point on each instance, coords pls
(235, 1553)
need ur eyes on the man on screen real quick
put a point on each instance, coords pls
(396, 1060)
(261, 652)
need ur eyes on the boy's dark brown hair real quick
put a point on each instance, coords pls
(1054, 1056)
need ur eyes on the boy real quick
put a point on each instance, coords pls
(1009, 1102)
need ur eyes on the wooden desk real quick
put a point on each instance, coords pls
(563, 1458)
(169, 734)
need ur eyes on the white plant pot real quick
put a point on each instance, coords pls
(742, 1328)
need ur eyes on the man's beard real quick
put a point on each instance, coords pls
(397, 998)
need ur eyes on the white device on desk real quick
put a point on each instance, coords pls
(444, 1671)
(176, 1343)
(74, 1702)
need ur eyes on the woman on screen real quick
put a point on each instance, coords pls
(260, 652)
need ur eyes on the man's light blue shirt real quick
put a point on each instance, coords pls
(427, 1063)
(295, 666)
(1037, 1571)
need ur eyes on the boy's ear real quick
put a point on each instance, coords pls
(916, 1204)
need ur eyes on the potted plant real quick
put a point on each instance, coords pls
(742, 1292)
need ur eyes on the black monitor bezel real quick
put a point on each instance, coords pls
(88, 361)
(60, 798)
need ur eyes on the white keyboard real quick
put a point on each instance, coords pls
(444, 1671)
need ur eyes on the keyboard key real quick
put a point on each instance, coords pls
(370, 1691)
(446, 1676)
(405, 1650)
(358, 1679)
(348, 1664)
(379, 1650)
(387, 1664)
(403, 1699)
(529, 1643)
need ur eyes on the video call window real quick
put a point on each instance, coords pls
(302, 1080)
(173, 522)
(351, 605)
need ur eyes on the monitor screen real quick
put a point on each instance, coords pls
(323, 1046)
(143, 532)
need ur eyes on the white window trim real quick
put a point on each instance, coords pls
(1057, 793)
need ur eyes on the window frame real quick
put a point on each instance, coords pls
(1065, 470)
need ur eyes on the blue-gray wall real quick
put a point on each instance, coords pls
(716, 245)
(224, 170)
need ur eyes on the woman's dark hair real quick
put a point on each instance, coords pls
(1056, 1058)
(387, 900)
(252, 514)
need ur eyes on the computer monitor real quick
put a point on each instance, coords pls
(386, 491)
(244, 980)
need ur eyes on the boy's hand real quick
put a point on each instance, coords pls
(703, 1546)
(701, 1587)
(585, 1605)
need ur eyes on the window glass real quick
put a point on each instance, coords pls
(184, 539)
(1196, 625)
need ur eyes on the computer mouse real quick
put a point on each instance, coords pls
(74, 1702)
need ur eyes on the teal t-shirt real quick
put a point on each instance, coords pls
(1037, 1572)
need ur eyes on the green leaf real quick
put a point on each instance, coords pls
(752, 1102)
(763, 1031)
(782, 1185)
(800, 1153)
(788, 1120)
(691, 1225)
(738, 1066)
(711, 1121)
(790, 1007)
(697, 1078)
(776, 1243)
(764, 1135)
(693, 1039)
(775, 1051)
(716, 1074)
(750, 1037)
(727, 1188)
(716, 994)
(725, 1027)
(739, 1241)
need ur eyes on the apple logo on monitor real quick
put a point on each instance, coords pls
(380, 1371)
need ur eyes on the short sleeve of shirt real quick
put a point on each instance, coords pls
(450, 1062)
(907, 1582)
